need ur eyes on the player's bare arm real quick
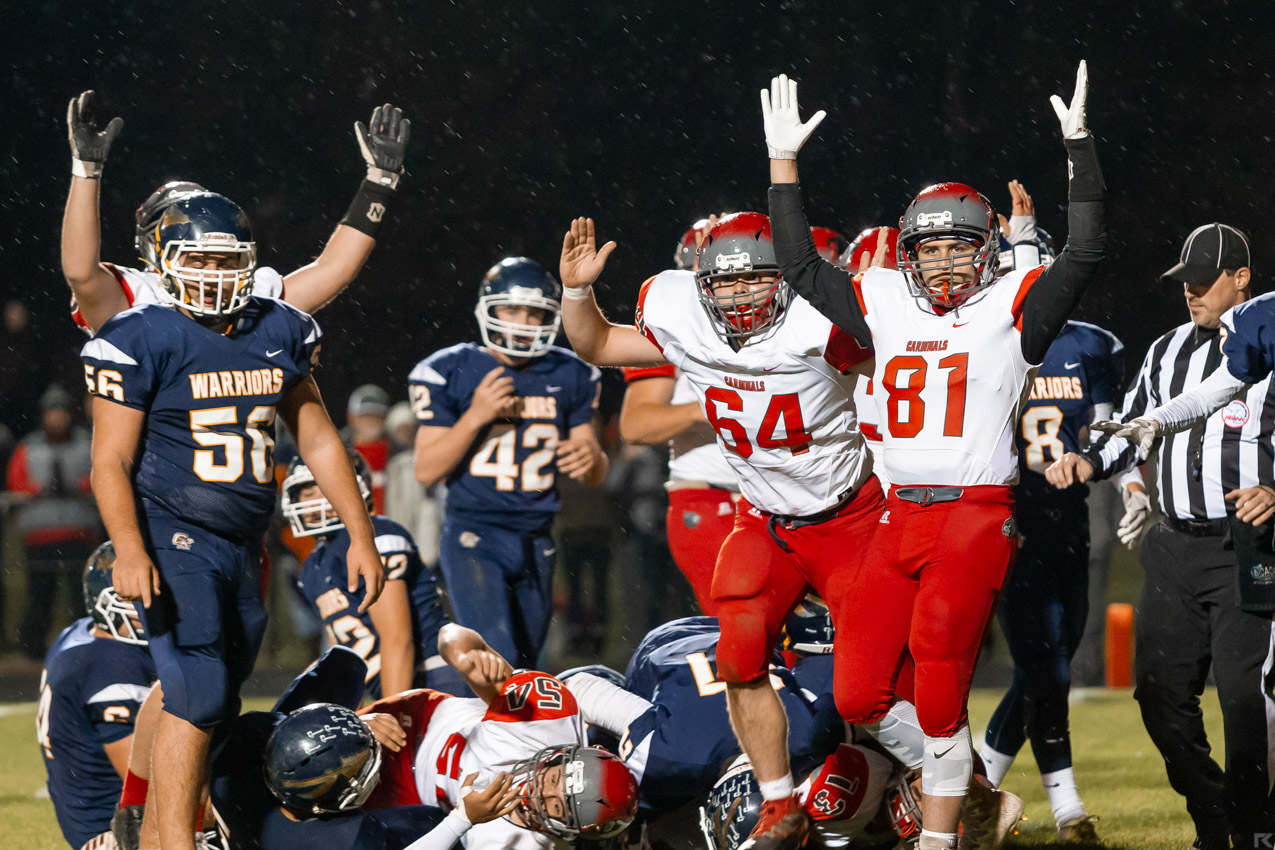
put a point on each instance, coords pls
(596, 340)
(392, 618)
(321, 448)
(95, 289)
(482, 667)
(648, 419)
(580, 456)
(117, 430)
(386, 729)
(439, 449)
(383, 145)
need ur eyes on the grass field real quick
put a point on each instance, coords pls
(1120, 774)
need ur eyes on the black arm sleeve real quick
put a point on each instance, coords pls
(821, 283)
(1053, 298)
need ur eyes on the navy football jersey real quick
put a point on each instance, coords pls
(677, 748)
(511, 469)
(323, 581)
(1083, 367)
(1249, 341)
(90, 691)
(206, 452)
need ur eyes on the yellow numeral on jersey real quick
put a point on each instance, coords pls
(706, 679)
(1040, 430)
(496, 458)
(259, 423)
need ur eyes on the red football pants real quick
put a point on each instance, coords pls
(927, 585)
(699, 520)
(757, 583)
(412, 710)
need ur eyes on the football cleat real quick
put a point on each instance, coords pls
(988, 816)
(126, 826)
(783, 825)
(1078, 831)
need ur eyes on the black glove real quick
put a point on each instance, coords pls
(385, 144)
(89, 146)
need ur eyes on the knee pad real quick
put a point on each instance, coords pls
(743, 651)
(949, 764)
(859, 706)
(195, 686)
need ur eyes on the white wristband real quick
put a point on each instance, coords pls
(576, 293)
(381, 177)
(774, 154)
(87, 170)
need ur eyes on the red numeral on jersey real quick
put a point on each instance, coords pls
(787, 406)
(915, 369)
(451, 752)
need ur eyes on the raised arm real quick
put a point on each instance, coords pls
(95, 289)
(383, 145)
(483, 668)
(596, 340)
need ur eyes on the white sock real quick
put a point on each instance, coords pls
(936, 840)
(997, 763)
(1060, 788)
(777, 789)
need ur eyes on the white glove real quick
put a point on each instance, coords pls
(1022, 228)
(1137, 510)
(1072, 117)
(1141, 432)
(785, 134)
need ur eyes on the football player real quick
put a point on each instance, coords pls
(524, 723)
(1046, 601)
(499, 422)
(397, 637)
(185, 395)
(95, 678)
(954, 351)
(775, 381)
(100, 290)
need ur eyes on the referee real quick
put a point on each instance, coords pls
(1189, 615)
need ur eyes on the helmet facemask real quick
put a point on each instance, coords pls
(749, 315)
(517, 339)
(314, 516)
(204, 291)
(922, 273)
(119, 618)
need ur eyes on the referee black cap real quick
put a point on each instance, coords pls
(1208, 250)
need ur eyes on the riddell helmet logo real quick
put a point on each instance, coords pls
(741, 262)
(937, 219)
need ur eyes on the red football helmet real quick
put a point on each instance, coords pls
(576, 792)
(740, 245)
(949, 211)
(684, 256)
(867, 243)
(829, 242)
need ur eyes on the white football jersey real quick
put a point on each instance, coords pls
(693, 456)
(782, 407)
(466, 736)
(947, 387)
(142, 287)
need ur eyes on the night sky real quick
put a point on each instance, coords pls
(644, 116)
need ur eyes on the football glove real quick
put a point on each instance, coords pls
(1137, 511)
(89, 145)
(785, 134)
(1072, 116)
(1140, 432)
(383, 143)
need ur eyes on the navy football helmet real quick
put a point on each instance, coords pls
(574, 792)
(1037, 251)
(808, 629)
(103, 604)
(519, 282)
(316, 516)
(204, 223)
(146, 234)
(733, 807)
(322, 759)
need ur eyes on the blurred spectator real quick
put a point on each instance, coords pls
(21, 368)
(365, 430)
(59, 522)
(401, 423)
(407, 501)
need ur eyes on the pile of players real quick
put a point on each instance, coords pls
(858, 737)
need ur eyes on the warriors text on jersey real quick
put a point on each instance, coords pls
(782, 406)
(90, 692)
(323, 581)
(511, 469)
(206, 453)
(947, 385)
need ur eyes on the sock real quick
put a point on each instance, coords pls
(1060, 788)
(777, 789)
(936, 840)
(135, 788)
(997, 763)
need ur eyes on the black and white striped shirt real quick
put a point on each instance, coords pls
(1234, 448)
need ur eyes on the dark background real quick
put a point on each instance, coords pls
(643, 115)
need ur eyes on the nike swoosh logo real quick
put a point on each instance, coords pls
(945, 752)
(960, 324)
(273, 353)
(552, 389)
(769, 369)
(1070, 365)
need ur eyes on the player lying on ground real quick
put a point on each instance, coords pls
(954, 349)
(397, 636)
(100, 290)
